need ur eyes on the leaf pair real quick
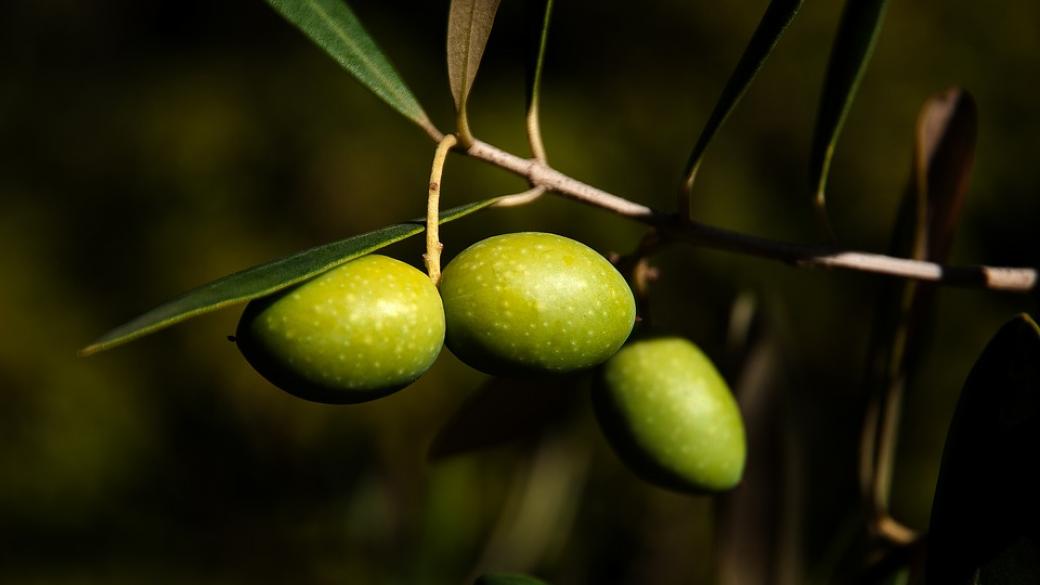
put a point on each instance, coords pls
(853, 45)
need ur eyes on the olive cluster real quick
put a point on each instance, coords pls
(515, 305)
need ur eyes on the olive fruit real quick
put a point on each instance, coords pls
(670, 416)
(534, 303)
(355, 333)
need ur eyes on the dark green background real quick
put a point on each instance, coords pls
(147, 147)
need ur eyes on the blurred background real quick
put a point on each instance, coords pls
(149, 147)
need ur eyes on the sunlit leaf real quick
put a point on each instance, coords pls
(268, 278)
(777, 17)
(332, 25)
(503, 410)
(508, 579)
(853, 45)
(469, 26)
(986, 512)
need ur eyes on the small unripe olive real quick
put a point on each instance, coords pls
(534, 303)
(670, 416)
(355, 333)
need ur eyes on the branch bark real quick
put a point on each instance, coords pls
(541, 175)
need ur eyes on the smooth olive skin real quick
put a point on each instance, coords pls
(533, 303)
(358, 332)
(670, 417)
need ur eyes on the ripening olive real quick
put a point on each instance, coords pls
(534, 303)
(355, 333)
(670, 416)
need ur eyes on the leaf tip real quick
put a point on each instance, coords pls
(89, 350)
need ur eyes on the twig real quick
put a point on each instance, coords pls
(539, 174)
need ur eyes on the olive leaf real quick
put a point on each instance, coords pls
(331, 24)
(754, 532)
(986, 513)
(504, 409)
(947, 129)
(508, 579)
(469, 26)
(853, 45)
(265, 279)
(944, 146)
(538, 15)
(777, 17)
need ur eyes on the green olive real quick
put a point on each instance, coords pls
(534, 303)
(355, 333)
(670, 416)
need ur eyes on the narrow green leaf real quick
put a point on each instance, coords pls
(853, 45)
(332, 25)
(777, 17)
(538, 15)
(502, 410)
(508, 579)
(469, 26)
(268, 278)
(986, 511)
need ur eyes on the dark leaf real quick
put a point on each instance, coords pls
(265, 279)
(985, 525)
(860, 24)
(777, 17)
(503, 409)
(944, 146)
(332, 25)
(755, 530)
(945, 152)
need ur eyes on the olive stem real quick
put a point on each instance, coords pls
(640, 274)
(465, 136)
(522, 198)
(433, 204)
(801, 255)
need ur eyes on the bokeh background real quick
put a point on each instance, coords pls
(148, 147)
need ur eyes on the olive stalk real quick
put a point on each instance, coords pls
(432, 258)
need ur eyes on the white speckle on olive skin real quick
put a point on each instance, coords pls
(519, 303)
(339, 337)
